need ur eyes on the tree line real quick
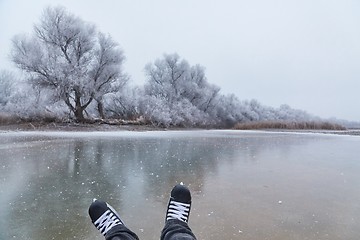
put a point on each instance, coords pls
(73, 72)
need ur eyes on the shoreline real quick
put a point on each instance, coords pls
(80, 127)
(97, 127)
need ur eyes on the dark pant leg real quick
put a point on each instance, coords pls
(121, 232)
(177, 230)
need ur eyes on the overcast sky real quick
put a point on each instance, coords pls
(304, 53)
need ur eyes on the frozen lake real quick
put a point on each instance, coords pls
(245, 185)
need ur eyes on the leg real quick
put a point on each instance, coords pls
(108, 222)
(177, 215)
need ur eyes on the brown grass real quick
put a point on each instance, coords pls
(310, 125)
(8, 119)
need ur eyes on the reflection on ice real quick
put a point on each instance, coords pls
(245, 185)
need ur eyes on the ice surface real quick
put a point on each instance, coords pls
(245, 184)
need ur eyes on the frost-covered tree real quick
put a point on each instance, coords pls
(285, 112)
(199, 91)
(228, 111)
(70, 58)
(7, 81)
(177, 93)
(18, 99)
(166, 77)
(124, 103)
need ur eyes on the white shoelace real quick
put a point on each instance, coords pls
(106, 222)
(178, 210)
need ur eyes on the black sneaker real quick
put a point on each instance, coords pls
(103, 216)
(179, 204)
